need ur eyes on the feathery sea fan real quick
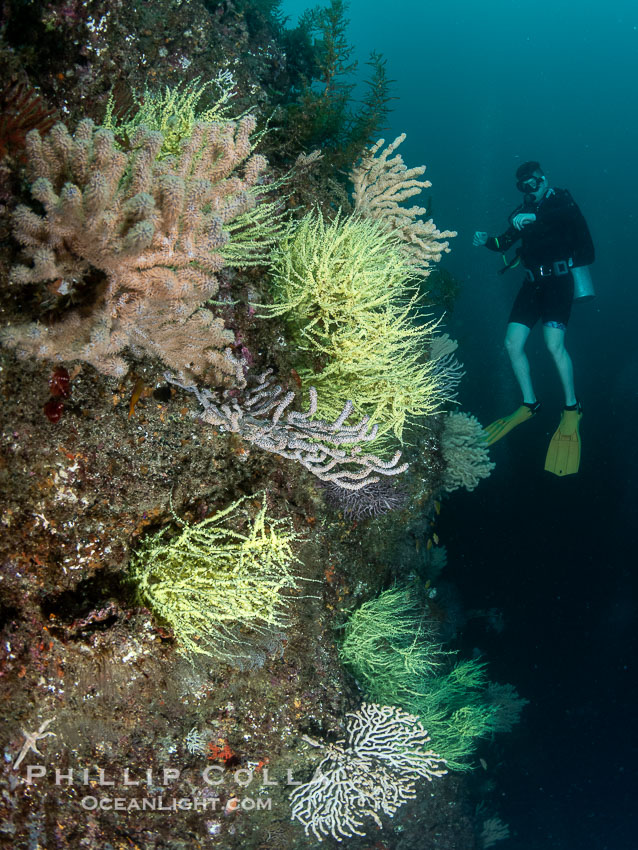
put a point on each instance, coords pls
(21, 110)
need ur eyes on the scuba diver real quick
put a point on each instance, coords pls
(555, 247)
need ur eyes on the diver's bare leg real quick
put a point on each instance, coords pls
(515, 339)
(555, 342)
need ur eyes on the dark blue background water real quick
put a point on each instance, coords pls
(482, 88)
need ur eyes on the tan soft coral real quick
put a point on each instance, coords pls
(150, 235)
(382, 182)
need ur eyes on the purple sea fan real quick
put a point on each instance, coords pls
(370, 501)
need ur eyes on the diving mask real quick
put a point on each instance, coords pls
(529, 185)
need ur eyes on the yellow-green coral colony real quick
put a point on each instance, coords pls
(348, 293)
(329, 272)
(212, 579)
(391, 646)
(174, 112)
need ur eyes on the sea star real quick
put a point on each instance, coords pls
(30, 741)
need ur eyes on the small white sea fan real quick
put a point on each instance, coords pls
(370, 501)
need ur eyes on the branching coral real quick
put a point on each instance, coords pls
(464, 452)
(147, 238)
(382, 183)
(211, 579)
(389, 642)
(494, 830)
(374, 773)
(347, 291)
(455, 706)
(259, 418)
(508, 703)
(390, 646)
(446, 366)
(328, 272)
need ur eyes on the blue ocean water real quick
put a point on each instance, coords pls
(482, 88)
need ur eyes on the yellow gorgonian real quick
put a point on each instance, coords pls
(348, 294)
(173, 112)
(211, 580)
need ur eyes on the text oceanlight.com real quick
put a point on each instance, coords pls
(102, 788)
(169, 804)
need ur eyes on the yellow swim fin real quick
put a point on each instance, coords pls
(563, 454)
(503, 426)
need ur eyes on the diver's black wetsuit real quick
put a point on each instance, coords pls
(559, 235)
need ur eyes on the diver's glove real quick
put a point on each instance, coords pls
(522, 220)
(480, 238)
(503, 426)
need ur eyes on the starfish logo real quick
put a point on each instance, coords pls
(31, 741)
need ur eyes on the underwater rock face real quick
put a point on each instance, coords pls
(111, 738)
(77, 52)
(79, 653)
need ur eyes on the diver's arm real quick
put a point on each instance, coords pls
(567, 217)
(584, 250)
(503, 242)
(561, 211)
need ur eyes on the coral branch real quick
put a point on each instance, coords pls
(375, 772)
(446, 366)
(382, 182)
(211, 580)
(464, 451)
(146, 238)
(370, 501)
(348, 293)
(258, 416)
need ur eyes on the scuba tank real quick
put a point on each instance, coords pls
(583, 284)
